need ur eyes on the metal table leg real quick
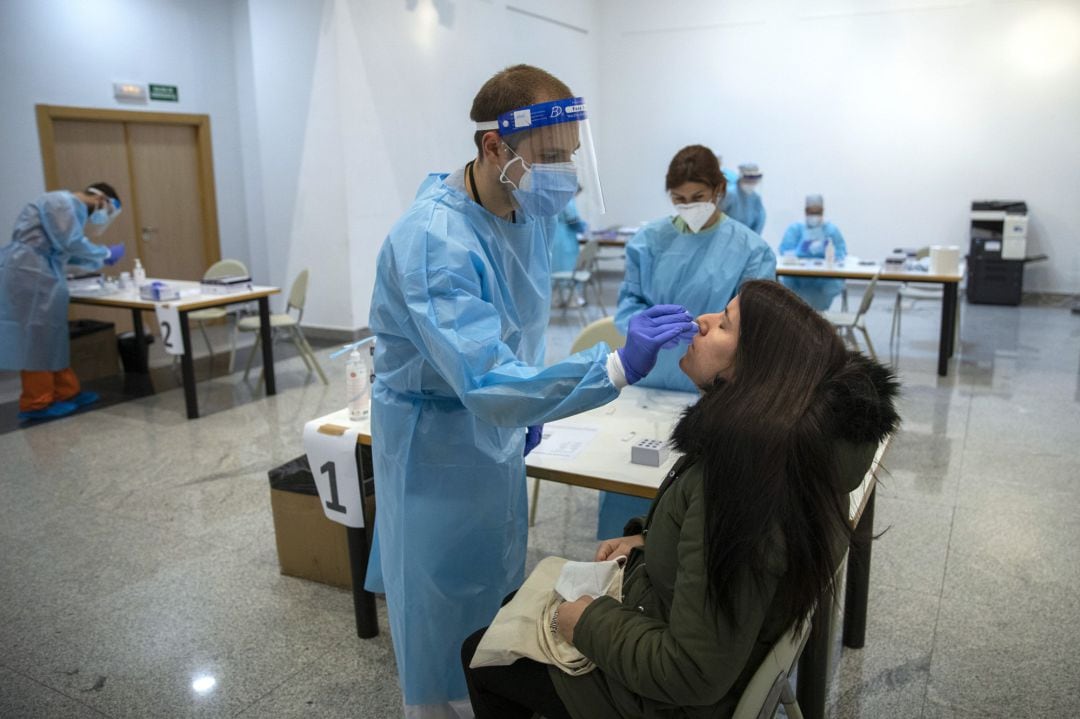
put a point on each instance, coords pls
(948, 327)
(857, 595)
(813, 679)
(267, 345)
(367, 624)
(142, 359)
(187, 369)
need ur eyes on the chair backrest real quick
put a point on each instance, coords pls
(868, 295)
(586, 258)
(225, 268)
(602, 330)
(762, 695)
(298, 292)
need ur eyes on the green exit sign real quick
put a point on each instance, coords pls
(168, 93)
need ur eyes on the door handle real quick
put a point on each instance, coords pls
(148, 233)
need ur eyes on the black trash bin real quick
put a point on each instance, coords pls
(309, 545)
(133, 360)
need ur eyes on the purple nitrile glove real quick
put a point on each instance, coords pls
(648, 332)
(533, 435)
(115, 253)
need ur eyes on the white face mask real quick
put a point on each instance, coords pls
(814, 220)
(696, 214)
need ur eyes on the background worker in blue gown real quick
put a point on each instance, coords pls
(743, 203)
(50, 234)
(811, 239)
(461, 303)
(565, 248)
(698, 258)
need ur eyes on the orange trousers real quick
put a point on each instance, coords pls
(42, 388)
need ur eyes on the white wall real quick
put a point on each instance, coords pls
(899, 111)
(353, 102)
(69, 52)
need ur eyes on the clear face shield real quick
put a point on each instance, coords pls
(103, 216)
(550, 156)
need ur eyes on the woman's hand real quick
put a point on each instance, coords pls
(569, 614)
(618, 547)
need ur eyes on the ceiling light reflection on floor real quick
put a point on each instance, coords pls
(203, 684)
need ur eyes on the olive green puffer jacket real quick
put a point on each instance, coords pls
(665, 650)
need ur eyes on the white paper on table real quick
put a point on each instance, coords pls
(564, 441)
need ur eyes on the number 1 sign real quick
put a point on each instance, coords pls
(333, 463)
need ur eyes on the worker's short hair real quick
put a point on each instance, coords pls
(513, 88)
(106, 189)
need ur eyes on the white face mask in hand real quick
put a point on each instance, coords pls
(696, 214)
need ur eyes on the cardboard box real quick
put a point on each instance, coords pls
(93, 349)
(309, 545)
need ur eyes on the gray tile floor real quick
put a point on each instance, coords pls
(137, 548)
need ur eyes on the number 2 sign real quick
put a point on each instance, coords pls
(168, 317)
(333, 463)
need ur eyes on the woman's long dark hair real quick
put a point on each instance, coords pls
(767, 443)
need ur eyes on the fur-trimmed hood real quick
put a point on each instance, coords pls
(860, 399)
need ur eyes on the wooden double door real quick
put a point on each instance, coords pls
(161, 166)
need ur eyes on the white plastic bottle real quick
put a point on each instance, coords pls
(356, 386)
(138, 274)
(830, 253)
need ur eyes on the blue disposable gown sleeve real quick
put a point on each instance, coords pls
(632, 291)
(569, 216)
(759, 219)
(61, 223)
(760, 266)
(792, 237)
(460, 335)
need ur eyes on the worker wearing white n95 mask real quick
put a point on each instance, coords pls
(461, 302)
(811, 239)
(698, 259)
(743, 203)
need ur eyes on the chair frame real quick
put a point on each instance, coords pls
(584, 275)
(847, 328)
(297, 300)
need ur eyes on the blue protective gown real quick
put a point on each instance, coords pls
(460, 306)
(48, 235)
(746, 207)
(810, 242)
(666, 263)
(565, 248)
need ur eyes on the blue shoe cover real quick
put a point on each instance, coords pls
(83, 398)
(53, 411)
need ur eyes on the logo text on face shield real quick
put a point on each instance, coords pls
(556, 112)
(575, 109)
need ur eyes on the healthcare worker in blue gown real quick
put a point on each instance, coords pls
(49, 235)
(461, 302)
(698, 259)
(743, 203)
(811, 239)
(565, 247)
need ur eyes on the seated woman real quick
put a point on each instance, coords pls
(744, 535)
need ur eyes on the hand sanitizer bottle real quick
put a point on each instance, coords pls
(138, 274)
(830, 253)
(357, 386)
